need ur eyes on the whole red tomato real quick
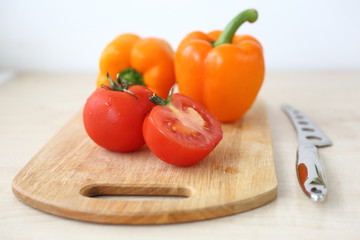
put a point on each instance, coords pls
(181, 131)
(113, 116)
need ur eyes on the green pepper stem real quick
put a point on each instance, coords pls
(131, 76)
(227, 35)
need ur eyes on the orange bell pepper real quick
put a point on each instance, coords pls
(221, 70)
(140, 61)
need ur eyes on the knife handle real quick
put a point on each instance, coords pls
(310, 173)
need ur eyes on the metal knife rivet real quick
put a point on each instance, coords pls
(315, 190)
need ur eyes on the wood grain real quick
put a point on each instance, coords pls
(67, 174)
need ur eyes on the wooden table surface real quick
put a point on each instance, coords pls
(33, 107)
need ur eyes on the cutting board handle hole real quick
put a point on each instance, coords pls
(140, 192)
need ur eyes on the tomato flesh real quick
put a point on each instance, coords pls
(181, 133)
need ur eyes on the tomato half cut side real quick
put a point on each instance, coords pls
(182, 132)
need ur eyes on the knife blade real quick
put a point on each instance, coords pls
(309, 167)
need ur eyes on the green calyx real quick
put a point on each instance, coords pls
(121, 85)
(227, 35)
(160, 101)
(132, 76)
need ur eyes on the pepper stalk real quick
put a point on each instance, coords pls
(249, 15)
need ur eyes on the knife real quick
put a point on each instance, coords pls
(309, 168)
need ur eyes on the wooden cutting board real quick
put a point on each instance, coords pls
(68, 174)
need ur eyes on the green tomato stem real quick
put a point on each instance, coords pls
(227, 35)
(155, 99)
(120, 86)
(160, 101)
(114, 85)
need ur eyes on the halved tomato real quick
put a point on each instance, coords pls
(181, 132)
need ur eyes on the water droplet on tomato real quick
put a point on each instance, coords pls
(108, 104)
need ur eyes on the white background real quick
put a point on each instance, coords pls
(69, 36)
